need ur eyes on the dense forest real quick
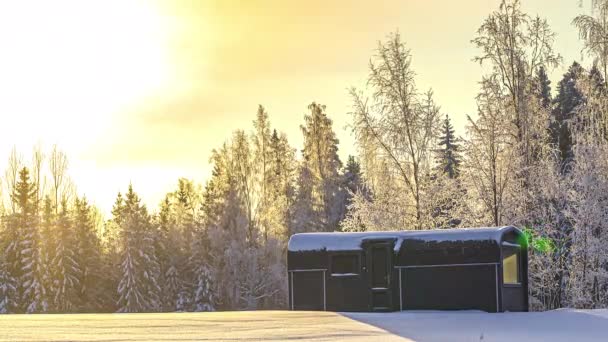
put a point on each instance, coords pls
(534, 155)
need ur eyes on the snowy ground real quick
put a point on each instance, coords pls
(561, 325)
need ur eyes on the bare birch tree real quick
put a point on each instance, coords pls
(58, 165)
(593, 30)
(397, 121)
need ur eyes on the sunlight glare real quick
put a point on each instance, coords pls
(69, 66)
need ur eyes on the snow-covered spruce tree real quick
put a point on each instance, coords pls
(185, 271)
(177, 226)
(7, 288)
(168, 253)
(138, 288)
(111, 256)
(88, 254)
(445, 183)
(65, 268)
(9, 243)
(398, 128)
(447, 155)
(31, 277)
(353, 180)
(563, 114)
(543, 88)
(203, 290)
(49, 247)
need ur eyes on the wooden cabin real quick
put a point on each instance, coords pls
(448, 269)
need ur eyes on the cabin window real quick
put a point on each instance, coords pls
(510, 266)
(344, 265)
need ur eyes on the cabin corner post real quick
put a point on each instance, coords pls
(291, 290)
(400, 292)
(498, 283)
(324, 291)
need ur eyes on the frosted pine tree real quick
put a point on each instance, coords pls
(203, 292)
(49, 247)
(171, 289)
(130, 290)
(12, 262)
(65, 267)
(151, 269)
(7, 289)
(445, 184)
(88, 254)
(168, 250)
(568, 99)
(32, 290)
(138, 288)
(35, 295)
(447, 155)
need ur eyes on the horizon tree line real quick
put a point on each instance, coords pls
(528, 158)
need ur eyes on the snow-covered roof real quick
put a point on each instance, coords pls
(353, 241)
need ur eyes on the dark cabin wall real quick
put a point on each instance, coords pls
(347, 293)
(306, 290)
(513, 299)
(307, 260)
(422, 252)
(342, 293)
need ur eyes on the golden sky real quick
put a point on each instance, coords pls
(141, 91)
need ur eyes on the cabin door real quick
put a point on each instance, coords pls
(379, 261)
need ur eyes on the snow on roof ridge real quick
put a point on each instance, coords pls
(349, 241)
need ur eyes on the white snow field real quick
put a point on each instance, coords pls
(560, 325)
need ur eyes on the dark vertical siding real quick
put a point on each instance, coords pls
(513, 298)
(308, 290)
(347, 293)
(421, 252)
(449, 288)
